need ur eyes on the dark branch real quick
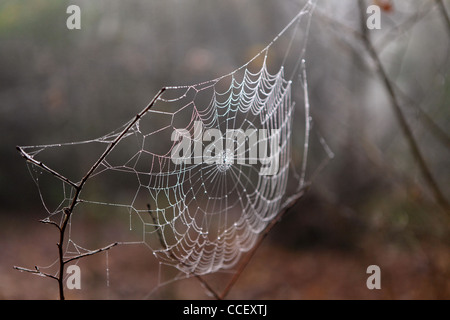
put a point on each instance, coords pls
(36, 271)
(91, 253)
(39, 164)
(444, 14)
(67, 212)
(47, 221)
(404, 126)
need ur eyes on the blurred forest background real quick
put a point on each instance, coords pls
(370, 205)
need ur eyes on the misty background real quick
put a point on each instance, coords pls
(369, 205)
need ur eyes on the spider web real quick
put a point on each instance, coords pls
(199, 214)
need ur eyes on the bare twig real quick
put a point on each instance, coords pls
(41, 165)
(48, 221)
(434, 128)
(444, 14)
(62, 264)
(36, 271)
(404, 126)
(422, 11)
(120, 136)
(423, 116)
(90, 253)
(67, 212)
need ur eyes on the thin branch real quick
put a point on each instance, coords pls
(404, 126)
(39, 164)
(67, 212)
(404, 26)
(48, 221)
(36, 271)
(158, 230)
(91, 253)
(120, 136)
(427, 120)
(444, 14)
(434, 128)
